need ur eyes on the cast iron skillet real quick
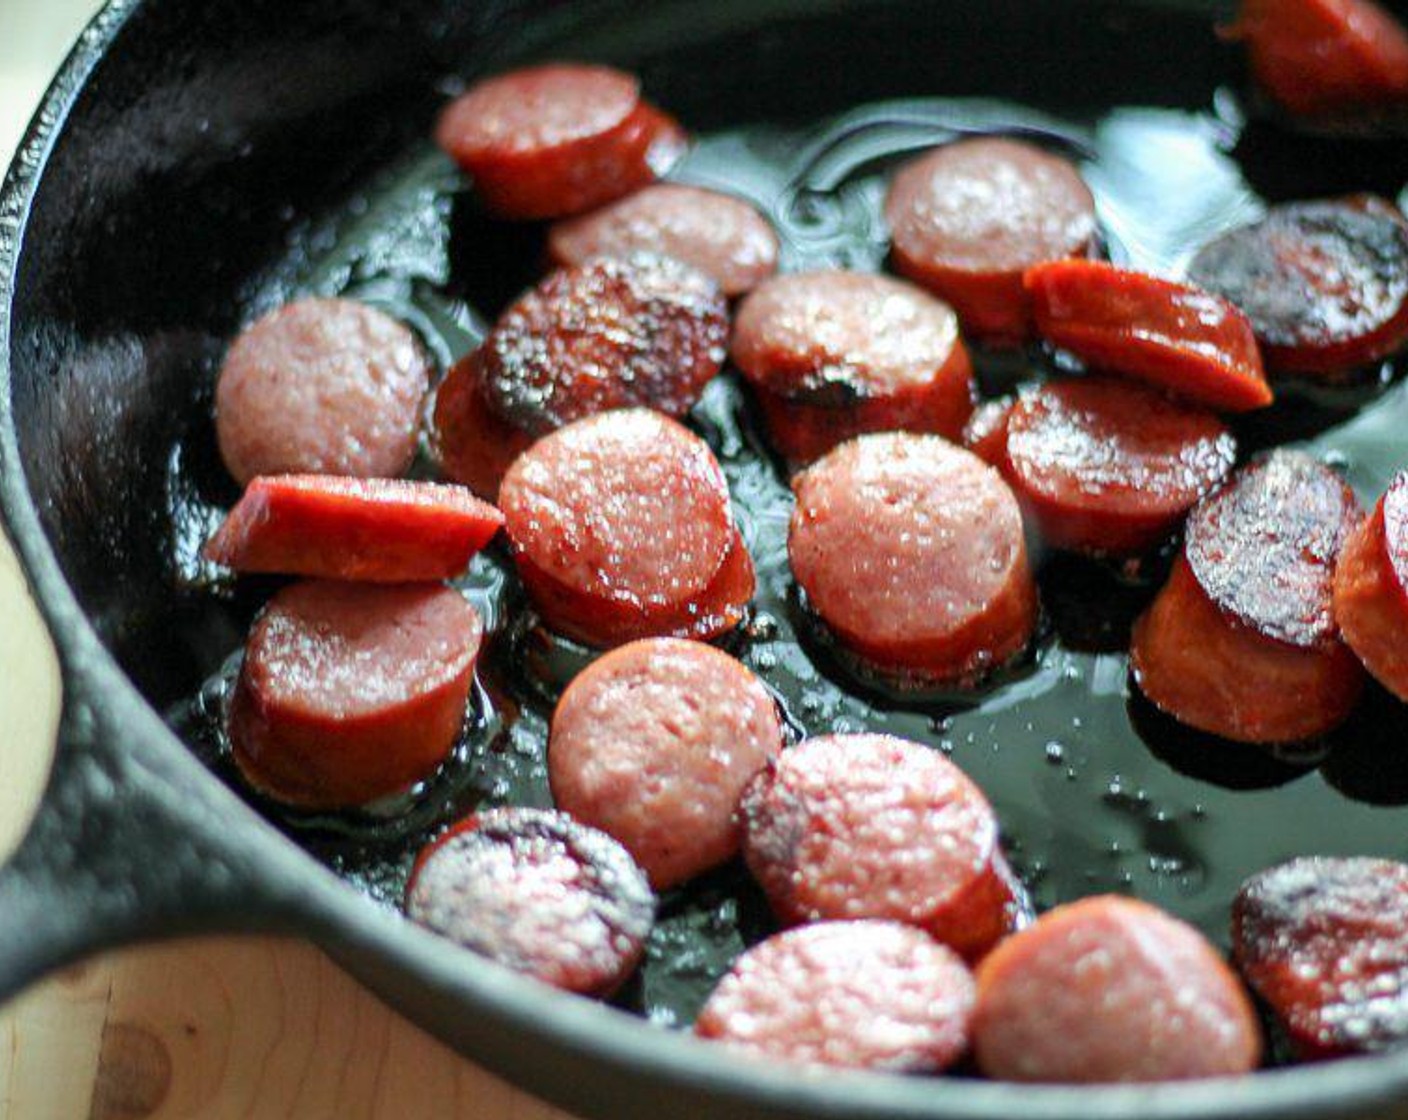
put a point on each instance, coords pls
(180, 151)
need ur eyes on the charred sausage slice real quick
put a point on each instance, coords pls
(539, 893)
(653, 744)
(1371, 590)
(377, 530)
(1110, 989)
(321, 386)
(352, 691)
(865, 995)
(968, 219)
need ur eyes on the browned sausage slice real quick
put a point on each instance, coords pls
(539, 893)
(653, 744)
(622, 528)
(1325, 284)
(869, 826)
(1110, 467)
(968, 219)
(911, 551)
(1324, 942)
(1371, 589)
(614, 333)
(865, 995)
(1242, 640)
(321, 386)
(832, 355)
(552, 140)
(1111, 989)
(352, 691)
(722, 236)
(472, 445)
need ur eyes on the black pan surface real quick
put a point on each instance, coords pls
(290, 157)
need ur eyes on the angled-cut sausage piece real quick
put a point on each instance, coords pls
(377, 530)
(539, 893)
(1110, 467)
(1109, 989)
(1325, 284)
(616, 332)
(863, 995)
(653, 743)
(622, 528)
(321, 386)
(558, 139)
(1321, 58)
(1179, 337)
(722, 236)
(472, 445)
(1242, 642)
(910, 550)
(985, 434)
(968, 219)
(832, 355)
(352, 691)
(1371, 589)
(1324, 942)
(869, 826)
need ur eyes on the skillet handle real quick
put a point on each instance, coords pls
(134, 840)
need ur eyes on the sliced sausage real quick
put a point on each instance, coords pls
(558, 139)
(540, 894)
(321, 386)
(910, 550)
(865, 995)
(352, 691)
(869, 826)
(722, 236)
(1176, 336)
(1325, 57)
(968, 219)
(471, 444)
(831, 355)
(614, 333)
(1110, 467)
(1324, 942)
(653, 744)
(622, 528)
(1241, 642)
(985, 434)
(1110, 989)
(380, 530)
(1325, 284)
(1371, 590)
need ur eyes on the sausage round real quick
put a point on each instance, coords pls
(722, 236)
(831, 355)
(968, 219)
(622, 528)
(865, 995)
(558, 139)
(1324, 943)
(377, 530)
(321, 386)
(615, 332)
(539, 893)
(1325, 284)
(1111, 989)
(910, 550)
(472, 445)
(1241, 642)
(1371, 590)
(1110, 467)
(869, 826)
(653, 743)
(1178, 337)
(985, 434)
(352, 691)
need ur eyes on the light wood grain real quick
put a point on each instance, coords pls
(215, 1028)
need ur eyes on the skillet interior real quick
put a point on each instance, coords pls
(177, 206)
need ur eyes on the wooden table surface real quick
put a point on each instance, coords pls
(210, 1028)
